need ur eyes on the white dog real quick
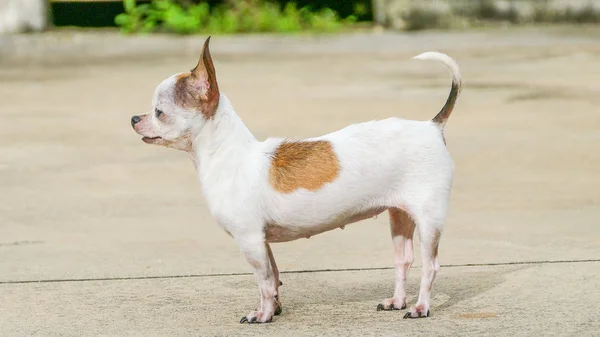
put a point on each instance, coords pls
(281, 190)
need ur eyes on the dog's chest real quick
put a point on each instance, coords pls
(278, 232)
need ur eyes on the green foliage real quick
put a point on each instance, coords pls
(135, 18)
(235, 17)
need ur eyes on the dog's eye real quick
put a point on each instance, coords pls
(158, 113)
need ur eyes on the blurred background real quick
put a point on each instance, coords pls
(238, 16)
(243, 16)
(83, 198)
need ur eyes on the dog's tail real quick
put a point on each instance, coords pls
(443, 115)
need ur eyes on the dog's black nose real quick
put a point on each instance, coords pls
(134, 120)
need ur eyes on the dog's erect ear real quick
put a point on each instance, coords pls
(204, 80)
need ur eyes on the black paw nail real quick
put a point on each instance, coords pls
(427, 313)
(380, 307)
(403, 307)
(407, 315)
(278, 311)
(253, 320)
(280, 283)
(244, 319)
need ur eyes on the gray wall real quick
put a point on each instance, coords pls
(23, 15)
(394, 13)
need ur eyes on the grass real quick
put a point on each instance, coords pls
(249, 16)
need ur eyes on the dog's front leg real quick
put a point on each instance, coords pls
(258, 254)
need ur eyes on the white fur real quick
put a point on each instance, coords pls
(445, 59)
(387, 163)
(391, 163)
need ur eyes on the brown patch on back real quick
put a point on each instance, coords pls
(305, 164)
(198, 89)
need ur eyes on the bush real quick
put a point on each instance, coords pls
(233, 17)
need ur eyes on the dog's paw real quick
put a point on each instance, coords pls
(417, 311)
(257, 317)
(391, 304)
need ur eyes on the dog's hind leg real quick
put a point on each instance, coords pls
(278, 283)
(429, 221)
(402, 228)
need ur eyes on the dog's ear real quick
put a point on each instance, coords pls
(204, 80)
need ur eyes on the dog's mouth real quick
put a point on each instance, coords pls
(150, 139)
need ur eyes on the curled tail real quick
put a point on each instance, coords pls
(443, 115)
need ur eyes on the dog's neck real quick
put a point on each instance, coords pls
(223, 139)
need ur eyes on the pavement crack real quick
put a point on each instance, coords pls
(20, 243)
(333, 270)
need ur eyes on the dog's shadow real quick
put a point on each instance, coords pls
(346, 287)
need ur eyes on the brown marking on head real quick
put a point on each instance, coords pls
(198, 89)
(303, 164)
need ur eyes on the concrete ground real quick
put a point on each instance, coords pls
(101, 234)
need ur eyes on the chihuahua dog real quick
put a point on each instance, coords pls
(280, 190)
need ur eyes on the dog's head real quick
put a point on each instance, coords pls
(181, 106)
